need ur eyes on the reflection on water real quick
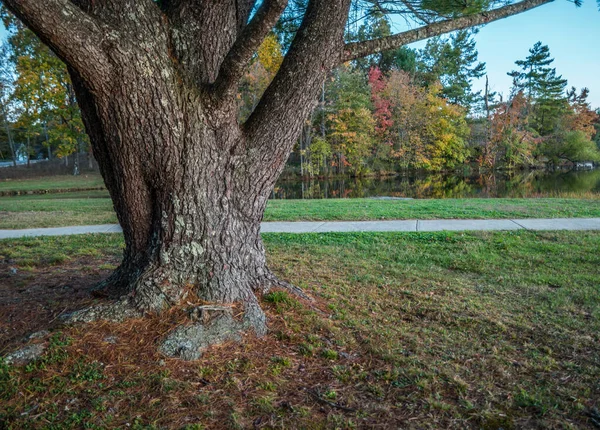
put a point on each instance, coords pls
(438, 186)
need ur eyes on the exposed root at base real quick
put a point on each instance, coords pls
(273, 281)
(211, 325)
(114, 312)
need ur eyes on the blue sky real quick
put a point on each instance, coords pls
(571, 33)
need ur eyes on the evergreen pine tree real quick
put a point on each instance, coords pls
(453, 63)
(545, 90)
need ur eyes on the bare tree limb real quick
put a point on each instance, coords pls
(352, 51)
(75, 36)
(247, 43)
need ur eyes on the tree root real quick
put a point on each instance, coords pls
(207, 325)
(272, 281)
(212, 324)
(115, 312)
(144, 289)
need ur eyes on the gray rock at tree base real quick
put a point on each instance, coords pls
(38, 335)
(26, 354)
(189, 342)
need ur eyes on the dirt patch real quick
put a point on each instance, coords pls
(32, 299)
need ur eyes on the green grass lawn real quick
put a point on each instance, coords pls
(418, 330)
(94, 207)
(371, 209)
(56, 210)
(51, 183)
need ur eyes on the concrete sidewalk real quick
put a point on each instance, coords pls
(357, 226)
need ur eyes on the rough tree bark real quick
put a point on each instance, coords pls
(157, 86)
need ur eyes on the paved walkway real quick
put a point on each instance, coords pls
(356, 226)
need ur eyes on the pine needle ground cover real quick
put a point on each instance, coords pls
(419, 330)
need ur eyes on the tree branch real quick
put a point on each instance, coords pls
(247, 43)
(275, 123)
(204, 33)
(74, 36)
(352, 51)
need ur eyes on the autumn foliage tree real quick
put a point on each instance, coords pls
(42, 90)
(421, 127)
(512, 143)
(572, 140)
(351, 124)
(580, 116)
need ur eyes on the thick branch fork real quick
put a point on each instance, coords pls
(247, 44)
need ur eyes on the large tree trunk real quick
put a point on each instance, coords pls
(188, 182)
(190, 204)
(189, 197)
(189, 191)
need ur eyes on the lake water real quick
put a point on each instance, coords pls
(495, 184)
(538, 183)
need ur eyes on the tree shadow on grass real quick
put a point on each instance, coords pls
(33, 299)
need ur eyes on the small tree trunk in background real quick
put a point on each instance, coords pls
(47, 141)
(487, 99)
(486, 153)
(28, 149)
(76, 165)
(11, 143)
(302, 156)
(76, 161)
(323, 129)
